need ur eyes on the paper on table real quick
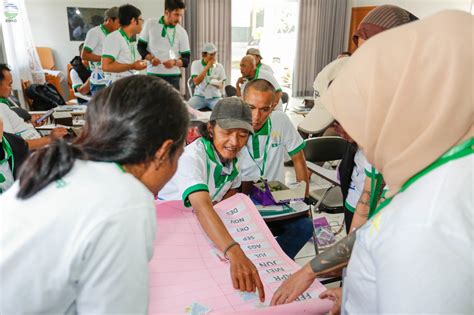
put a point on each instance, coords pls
(185, 268)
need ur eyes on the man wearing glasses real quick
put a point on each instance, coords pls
(165, 44)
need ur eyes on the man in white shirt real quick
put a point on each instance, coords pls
(250, 72)
(263, 157)
(80, 77)
(93, 46)
(165, 44)
(120, 57)
(12, 123)
(208, 76)
(255, 52)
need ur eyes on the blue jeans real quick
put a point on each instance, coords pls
(96, 88)
(292, 234)
(198, 102)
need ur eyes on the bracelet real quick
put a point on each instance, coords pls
(229, 247)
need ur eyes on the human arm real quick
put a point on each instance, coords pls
(56, 133)
(243, 273)
(301, 170)
(110, 65)
(199, 77)
(89, 56)
(238, 86)
(333, 258)
(361, 212)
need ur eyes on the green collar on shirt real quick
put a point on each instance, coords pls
(104, 30)
(165, 26)
(457, 152)
(219, 179)
(3, 100)
(124, 35)
(6, 147)
(205, 64)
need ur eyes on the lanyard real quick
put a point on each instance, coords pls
(3, 100)
(376, 186)
(164, 32)
(265, 152)
(257, 72)
(8, 155)
(454, 153)
(219, 180)
(120, 167)
(209, 72)
(129, 43)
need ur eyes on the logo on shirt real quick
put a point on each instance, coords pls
(11, 12)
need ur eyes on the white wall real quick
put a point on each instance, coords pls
(420, 8)
(48, 20)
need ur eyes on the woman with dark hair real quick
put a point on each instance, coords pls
(208, 172)
(78, 227)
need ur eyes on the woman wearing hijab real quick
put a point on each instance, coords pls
(415, 254)
(365, 188)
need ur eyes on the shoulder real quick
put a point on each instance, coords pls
(181, 30)
(279, 118)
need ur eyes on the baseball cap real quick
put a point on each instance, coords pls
(209, 48)
(111, 13)
(231, 113)
(254, 51)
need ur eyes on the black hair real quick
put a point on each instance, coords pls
(3, 67)
(126, 13)
(345, 53)
(81, 46)
(171, 5)
(204, 132)
(260, 85)
(126, 123)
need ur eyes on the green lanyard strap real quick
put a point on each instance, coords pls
(219, 180)
(457, 152)
(8, 155)
(376, 187)
(129, 43)
(164, 32)
(256, 147)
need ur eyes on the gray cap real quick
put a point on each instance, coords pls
(232, 112)
(111, 13)
(209, 48)
(254, 51)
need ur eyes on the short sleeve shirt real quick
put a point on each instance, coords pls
(12, 123)
(357, 180)
(277, 137)
(119, 48)
(75, 79)
(164, 44)
(94, 43)
(199, 169)
(205, 88)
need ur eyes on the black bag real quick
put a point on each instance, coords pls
(44, 96)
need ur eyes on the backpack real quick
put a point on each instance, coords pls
(44, 96)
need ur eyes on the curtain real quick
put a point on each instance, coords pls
(209, 21)
(320, 39)
(21, 55)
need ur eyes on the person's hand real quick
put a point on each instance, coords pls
(58, 133)
(334, 295)
(35, 117)
(240, 81)
(211, 62)
(139, 65)
(155, 61)
(294, 286)
(169, 63)
(243, 273)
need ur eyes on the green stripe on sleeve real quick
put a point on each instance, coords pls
(87, 48)
(142, 40)
(185, 52)
(193, 189)
(298, 149)
(349, 207)
(109, 56)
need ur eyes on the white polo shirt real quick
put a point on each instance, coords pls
(76, 79)
(416, 255)
(199, 169)
(265, 67)
(119, 48)
(93, 43)
(79, 245)
(205, 88)
(357, 180)
(12, 123)
(265, 150)
(164, 45)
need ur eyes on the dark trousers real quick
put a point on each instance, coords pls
(348, 219)
(292, 234)
(174, 81)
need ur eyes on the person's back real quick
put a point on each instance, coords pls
(421, 241)
(78, 236)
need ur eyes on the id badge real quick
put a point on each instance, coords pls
(172, 54)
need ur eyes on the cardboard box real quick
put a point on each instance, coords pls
(275, 192)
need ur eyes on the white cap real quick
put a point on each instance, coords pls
(319, 118)
(209, 48)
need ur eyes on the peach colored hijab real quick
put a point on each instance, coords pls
(406, 97)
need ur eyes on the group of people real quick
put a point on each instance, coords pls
(91, 256)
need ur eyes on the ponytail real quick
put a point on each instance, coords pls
(45, 166)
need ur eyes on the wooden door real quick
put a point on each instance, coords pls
(357, 15)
